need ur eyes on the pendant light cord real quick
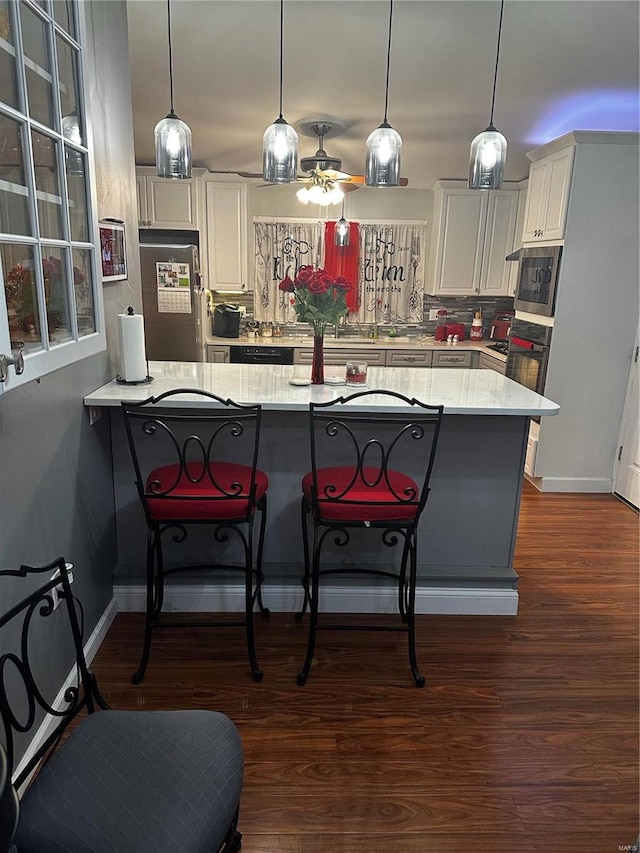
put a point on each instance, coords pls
(170, 52)
(386, 90)
(281, 50)
(495, 75)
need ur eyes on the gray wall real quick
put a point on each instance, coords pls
(55, 470)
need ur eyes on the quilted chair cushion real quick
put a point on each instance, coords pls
(359, 503)
(225, 474)
(136, 782)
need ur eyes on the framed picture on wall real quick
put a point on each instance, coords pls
(112, 251)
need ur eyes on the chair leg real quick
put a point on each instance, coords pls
(402, 579)
(411, 616)
(313, 621)
(306, 508)
(259, 574)
(153, 534)
(249, 599)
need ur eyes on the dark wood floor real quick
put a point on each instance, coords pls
(524, 739)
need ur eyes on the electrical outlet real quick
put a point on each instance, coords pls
(57, 591)
(433, 313)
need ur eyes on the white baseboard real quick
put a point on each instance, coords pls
(49, 723)
(209, 598)
(586, 485)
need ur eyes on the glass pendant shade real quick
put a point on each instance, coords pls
(382, 167)
(342, 232)
(173, 148)
(280, 153)
(487, 160)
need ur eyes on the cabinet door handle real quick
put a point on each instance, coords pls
(408, 358)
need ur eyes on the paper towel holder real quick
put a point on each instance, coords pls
(147, 379)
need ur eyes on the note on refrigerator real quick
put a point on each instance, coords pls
(174, 288)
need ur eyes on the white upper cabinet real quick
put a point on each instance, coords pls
(227, 235)
(548, 196)
(165, 203)
(473, 233)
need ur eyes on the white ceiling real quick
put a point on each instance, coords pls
(564, 64)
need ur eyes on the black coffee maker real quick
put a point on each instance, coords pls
(226, 320)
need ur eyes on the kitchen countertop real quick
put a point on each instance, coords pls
(397, 343)
(461, 391)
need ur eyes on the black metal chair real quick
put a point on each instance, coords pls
(379, 480)
(197, 465)
(122, 781)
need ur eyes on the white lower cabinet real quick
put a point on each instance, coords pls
(373, 357)
(452, 359)
(408, 358)
(217, 354)
(488, 362)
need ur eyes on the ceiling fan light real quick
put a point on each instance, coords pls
(280, 153)
(342, 232)
(487, 160)
(173, 148)
(384, 147)
(303, 195)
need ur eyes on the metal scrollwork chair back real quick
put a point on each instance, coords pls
(132, 781)
(371, 467)
(196, 463)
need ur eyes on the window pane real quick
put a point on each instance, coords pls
(63, 14)
(84, 291)
(68, 81)
(18, 268)
(77, 189)
(37, 61)
(14, 205)
(8, 79)
(47, 185)
(56, 293)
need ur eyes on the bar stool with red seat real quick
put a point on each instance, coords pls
(381, 447)
(195, 463)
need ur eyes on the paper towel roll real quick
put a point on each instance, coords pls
(133, 358)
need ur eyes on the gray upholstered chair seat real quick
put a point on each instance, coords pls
(171, 785)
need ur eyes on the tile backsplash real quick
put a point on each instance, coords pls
(459, 310)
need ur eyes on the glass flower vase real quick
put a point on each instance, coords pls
(317, 365)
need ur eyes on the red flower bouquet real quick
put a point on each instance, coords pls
(317, 297)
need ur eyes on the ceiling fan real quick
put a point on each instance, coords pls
(325, 180)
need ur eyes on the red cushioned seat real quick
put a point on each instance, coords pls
(225, 474)
(362, 502)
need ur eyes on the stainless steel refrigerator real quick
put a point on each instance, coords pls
(171, 301)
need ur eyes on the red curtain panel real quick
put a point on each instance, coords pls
(343, 260)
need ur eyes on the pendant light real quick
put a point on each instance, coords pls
(384, 145)
(173, 137)
(342, 230)
(280, 141)
(489, 148)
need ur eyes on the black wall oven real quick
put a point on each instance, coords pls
(528, 354)
(537, 279)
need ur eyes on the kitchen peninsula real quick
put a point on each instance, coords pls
(467, 532)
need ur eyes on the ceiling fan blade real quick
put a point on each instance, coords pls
(236, 172)
(359, 180)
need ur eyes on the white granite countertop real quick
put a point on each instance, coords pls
(397, 343)
(461, 391)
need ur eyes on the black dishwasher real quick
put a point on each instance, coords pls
(260, 355)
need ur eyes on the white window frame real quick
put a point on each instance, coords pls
(41, 362)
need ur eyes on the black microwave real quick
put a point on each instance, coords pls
(537, 279)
